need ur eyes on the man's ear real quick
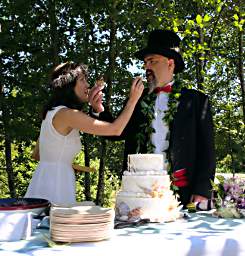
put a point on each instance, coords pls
(171, 64)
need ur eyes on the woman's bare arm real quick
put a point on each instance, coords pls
(75, 119)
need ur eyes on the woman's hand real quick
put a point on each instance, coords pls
(35, 152)
(136, 89)
(96, 95)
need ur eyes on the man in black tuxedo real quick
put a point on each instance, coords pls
(187, 140)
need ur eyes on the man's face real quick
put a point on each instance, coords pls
(157, 69)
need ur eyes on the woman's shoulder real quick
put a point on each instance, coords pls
(64, 114)
(59, 107)
(58, 120)
(56, 109)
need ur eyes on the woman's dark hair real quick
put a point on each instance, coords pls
(63, 81)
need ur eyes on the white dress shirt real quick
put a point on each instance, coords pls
(158, 138)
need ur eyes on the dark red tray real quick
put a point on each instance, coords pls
(8, 204)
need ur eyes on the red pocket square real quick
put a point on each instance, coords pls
(179, 173)
(180, 178)
(180, 183)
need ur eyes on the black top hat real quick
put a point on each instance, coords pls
(165, 43)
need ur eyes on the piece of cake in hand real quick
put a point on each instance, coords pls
(145, 191)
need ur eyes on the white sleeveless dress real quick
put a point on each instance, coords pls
(54, 178)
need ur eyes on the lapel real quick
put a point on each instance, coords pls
(183, 132)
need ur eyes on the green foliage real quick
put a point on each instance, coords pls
(23, 167)
(111, 181)
(36, 35)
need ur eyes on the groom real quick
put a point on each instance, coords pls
(170, 120)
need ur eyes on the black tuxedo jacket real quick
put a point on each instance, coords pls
(191, 141)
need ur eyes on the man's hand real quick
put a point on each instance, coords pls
(198, 198)
(96, 95)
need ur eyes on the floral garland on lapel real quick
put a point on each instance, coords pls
(147, 108)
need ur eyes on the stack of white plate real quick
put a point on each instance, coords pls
(81, 223)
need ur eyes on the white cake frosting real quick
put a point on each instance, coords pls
(145, 191)
(144, 183)
(145, 162)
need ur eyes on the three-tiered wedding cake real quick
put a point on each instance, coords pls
(145, 191)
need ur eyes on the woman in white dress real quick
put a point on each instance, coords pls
(59, 139)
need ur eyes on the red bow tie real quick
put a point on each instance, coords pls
(167, 88)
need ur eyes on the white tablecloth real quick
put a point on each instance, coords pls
(200, 235)
(8, 223)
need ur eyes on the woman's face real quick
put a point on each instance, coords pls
(81, 88)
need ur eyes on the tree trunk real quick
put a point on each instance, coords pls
(92, 42)
(112, 60)
(241, 71)
(230, 148)
(101, 181)
(199, 55)
(9, 166)
(53, 33)
(230, 143)
(7, 145)
(87, 181)
(213, 31)
(108, 79)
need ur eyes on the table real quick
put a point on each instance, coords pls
(199, 235)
